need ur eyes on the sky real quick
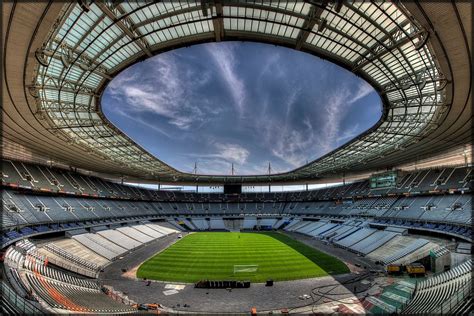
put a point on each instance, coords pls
(247, 104)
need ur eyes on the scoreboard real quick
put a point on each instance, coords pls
(384, 180)
(232, 188)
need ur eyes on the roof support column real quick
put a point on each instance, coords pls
(218, 22)
(313, 17)
(134, 34)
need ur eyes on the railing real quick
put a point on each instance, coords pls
(117, 295)
(421, 255)
(72, 267)
(83, 223)
(21, 305)
(448, 306)
(19, 226)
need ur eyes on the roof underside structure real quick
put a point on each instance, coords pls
(59, 57)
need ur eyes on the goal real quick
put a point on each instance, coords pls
(246, 269)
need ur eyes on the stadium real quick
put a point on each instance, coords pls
(94, 221)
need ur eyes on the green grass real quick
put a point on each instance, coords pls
(326, 262)
(212, 255)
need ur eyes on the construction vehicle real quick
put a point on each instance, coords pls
(394, 269)
(146, 307)
(416, 269)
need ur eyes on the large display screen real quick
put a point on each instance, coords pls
(384, 180)
(232, 188)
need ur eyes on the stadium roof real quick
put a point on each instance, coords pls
(59, 57)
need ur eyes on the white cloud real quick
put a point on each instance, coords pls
(213, 166)
(143, 122)
(290, 131)
(272, 63)
(364, 90)
(292, 147)
(286, 141)
(290, 102)
(163, 89)
(222, 158)
(232, 152)
(338, 103)
(348, 134)
(216, 166)
(223, 56)
(334, 110)
(297, 144)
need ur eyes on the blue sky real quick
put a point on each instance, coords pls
(242, 103)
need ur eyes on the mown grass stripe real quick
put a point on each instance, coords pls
(212, 255)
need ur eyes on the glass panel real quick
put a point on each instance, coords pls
(365, 36)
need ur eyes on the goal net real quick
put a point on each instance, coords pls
(246, 269)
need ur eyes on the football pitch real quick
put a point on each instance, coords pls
(213, 255)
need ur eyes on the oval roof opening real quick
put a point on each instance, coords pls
(209, 107)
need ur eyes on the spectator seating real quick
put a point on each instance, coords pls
(464, 247)
(20, 209)
(55, 179)
(338, 230)
(118, 238)
(135, 234)
(54, 288)
(374, 241)
(171, 224)
(349, 230)
(162, 228)
(147, 230)
(328, 227)
(29, 214)
(412, 247)
(72, 246)
(307, 229)
(69, 261)
(112, 243)
(187, 223)
(249, 222)
(234, 224)
(216, 223)
(354, 238)
(296, 224)
(380, 245)
(267, 222)
(200, 223)
(433, 295)
(282, 221)
(59, 292)
(100, 245)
